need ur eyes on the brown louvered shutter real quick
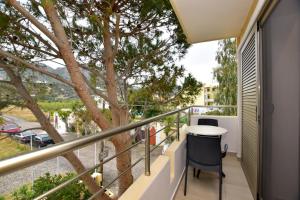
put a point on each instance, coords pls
(249, 111)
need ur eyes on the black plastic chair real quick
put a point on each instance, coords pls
(207, 121)
(204, 152)
(210, 122)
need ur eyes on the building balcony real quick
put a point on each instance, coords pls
(167, 172)
(163, 179)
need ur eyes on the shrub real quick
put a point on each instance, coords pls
(75, 190)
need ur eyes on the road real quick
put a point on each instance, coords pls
(21, 122)
(88, 155)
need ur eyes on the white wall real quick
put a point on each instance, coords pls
(231, 123)
(60, 126)
(166, 173)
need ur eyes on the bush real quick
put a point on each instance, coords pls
(2, 198)
(44, 183)
(23, 193)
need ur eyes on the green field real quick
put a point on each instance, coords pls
(23, 113)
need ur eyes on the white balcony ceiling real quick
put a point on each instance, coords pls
(206, 20)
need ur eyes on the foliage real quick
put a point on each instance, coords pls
(169, 124)
(159, 95)
(223, 112)
(8, 97)
(83, 118)
(2, 198)
(2, 121)
(64, 114)
(151, 40)
(44, 183)
(23, 193)
(52, 106)
(226, 74)
(184, 120)
(10, 147)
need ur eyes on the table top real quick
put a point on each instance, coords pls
(206, 130)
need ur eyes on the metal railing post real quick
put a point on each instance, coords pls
(189, 115)
(147, 151)
(178, 121)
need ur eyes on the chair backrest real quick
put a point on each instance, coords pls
(207, 121)
(204, 150)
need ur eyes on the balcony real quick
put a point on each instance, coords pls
(235, 186)
(163, 179)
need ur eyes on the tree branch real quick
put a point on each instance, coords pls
(73, 67)
(40, 38)
(100, 94)
(117, 34)
(35, 48)
(33, 20)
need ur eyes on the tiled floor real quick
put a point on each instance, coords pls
(235, 186)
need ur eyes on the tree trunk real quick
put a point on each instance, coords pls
(61, 40)
(47, 126)
(119, 116)
(73, 67)
(122, 142)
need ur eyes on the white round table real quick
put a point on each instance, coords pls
(206, 130)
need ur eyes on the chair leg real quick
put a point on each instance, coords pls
(198, 173)
(223, 175)
(220, 185)
(185, 179)
(194, 172)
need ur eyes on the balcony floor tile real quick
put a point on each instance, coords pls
(235, 186)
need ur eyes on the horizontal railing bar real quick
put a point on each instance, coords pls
(35, 157)
(182, 117)
(161, 129)
(220, 106)
(172, 123)
(64, 184)
(109, 184)
(158, 131)
(156, 146)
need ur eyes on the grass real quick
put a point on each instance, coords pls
(10, 147)
(23, 113)
(6, 197)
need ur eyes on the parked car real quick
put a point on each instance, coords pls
(25, 136)
(42, 140)
(10, 129)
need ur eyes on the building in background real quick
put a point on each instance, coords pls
(207, 95)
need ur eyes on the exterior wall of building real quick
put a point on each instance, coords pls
(166, 173)
(207, 96)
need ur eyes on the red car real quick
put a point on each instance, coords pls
(10, 129)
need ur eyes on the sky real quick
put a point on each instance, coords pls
(200, 61)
